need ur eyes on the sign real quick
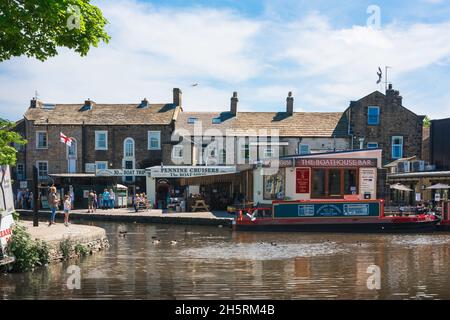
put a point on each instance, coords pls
(189, 171)
(302, 180)
(418, 197)
(335, 163)
(368, 182)
(90, 168)
(85, 194)
(6, 208)
(326, 209)
(120, 172)
(23, 184)
(437, 197)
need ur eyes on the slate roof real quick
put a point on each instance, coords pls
(300, 124)
(104, 114)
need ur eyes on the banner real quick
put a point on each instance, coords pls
(120, 172)
(189, 171)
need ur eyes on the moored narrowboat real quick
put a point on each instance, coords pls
(330, 216)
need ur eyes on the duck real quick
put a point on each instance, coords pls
(157, 241)
(173, 242)
(273, 243)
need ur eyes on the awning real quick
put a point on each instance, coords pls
(401, 187)
(439, 186)
(73, 175)
(121, 187)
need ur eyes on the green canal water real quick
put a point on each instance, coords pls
(216, 263)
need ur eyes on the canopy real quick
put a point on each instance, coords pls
(121, 187)
(439, 186)
(401, 187)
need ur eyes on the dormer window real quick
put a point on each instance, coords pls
(192, 120)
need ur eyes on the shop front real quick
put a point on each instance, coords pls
(338, 175)
(185, 188)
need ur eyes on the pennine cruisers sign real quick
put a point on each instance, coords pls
(189, 171)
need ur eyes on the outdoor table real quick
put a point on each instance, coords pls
(199, 204)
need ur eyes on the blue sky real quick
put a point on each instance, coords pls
(323, 51)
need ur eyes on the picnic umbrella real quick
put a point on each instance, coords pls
(401, 187)
(439, 186)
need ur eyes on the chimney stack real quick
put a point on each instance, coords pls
(177, 97)
(234, 101)
(144, 103)
(290, 104)
(34, 103)
(393, 95)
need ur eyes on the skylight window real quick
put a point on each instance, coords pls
(192, 120)
(48, 106)
(216, 120)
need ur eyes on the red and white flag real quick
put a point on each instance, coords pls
(65, 139)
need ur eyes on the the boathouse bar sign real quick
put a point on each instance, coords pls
(325, 162)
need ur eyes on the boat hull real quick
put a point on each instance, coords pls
(342, 227)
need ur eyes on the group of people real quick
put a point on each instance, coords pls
(141, 200)
(54, 202)
(24, 199)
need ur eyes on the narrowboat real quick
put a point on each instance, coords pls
(359, 216)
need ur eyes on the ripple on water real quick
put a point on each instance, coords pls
(420, 240)
(262, 251)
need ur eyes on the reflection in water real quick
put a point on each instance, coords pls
(208, 262)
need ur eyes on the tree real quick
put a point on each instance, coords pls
(7, 138)
(37, 27)
(426, 122)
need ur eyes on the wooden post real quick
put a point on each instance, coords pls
(35, 198)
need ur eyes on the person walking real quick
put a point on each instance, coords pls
(91, 201)
(53, 202)
(95, 201)
(105, 199)
(112, 199)
(67, 207)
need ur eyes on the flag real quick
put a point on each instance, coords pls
(65, 139)
(379, 74)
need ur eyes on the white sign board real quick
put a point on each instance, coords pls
(23, 184)
(189, 171)
(120, 172)
(437, 197)
(368, 182)
(6, 207)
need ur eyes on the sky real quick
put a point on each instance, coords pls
(327, 52)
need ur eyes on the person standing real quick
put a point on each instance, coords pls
(91, 201)
(105, 199)
(72, 197)
(95, 201)
(67, 207)
(112, 199)
(53, 202)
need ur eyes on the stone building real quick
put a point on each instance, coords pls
(381, 121)
(105, 136)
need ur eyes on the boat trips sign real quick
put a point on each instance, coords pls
(6, 208)
(326, 209)
(189, 171)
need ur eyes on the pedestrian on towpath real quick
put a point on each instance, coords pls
(105, 199)
(67, 207)
(53, 201)
(91, 201)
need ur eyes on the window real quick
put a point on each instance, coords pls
(334, 183)
(128, 148)
(191, 120)
(245, 151)
(154, 140)
(373, 115)
(101, 140)
(303, 149)
(372, 145)
(216, 120)
(268, 152)
(223, 156)
(20, 171)
(397, 147)
(129, 164)
(72, 150)
(100, 165)
(177, 152)
(41, 140)
(42, 167)
(274, 186)
(19, 147)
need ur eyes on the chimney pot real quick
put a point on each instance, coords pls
(290, 103)
(234, 101)
(177, 95)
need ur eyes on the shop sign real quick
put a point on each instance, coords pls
(368, 182)
(335, 163)
(120, 172)
(302, 178)
(189, 171)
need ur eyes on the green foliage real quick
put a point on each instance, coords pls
(81, 250)
(16, 216)
(28, 252)
(37, 27)
(426, 122)
(8, 137)
(66, 247)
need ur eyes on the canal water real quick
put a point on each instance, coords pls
(216, 263)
